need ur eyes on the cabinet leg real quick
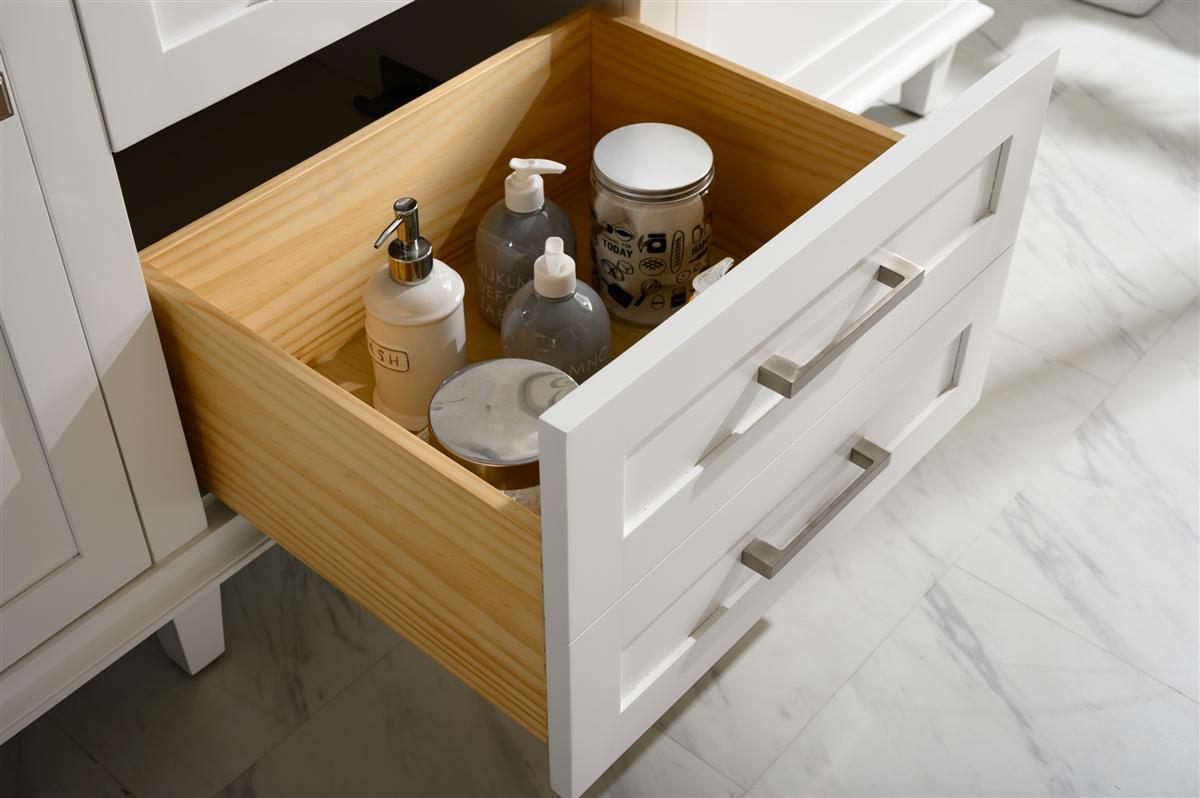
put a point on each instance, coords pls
(919, 93)
(196, 636)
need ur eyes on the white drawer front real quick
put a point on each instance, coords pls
(637, 461)
(644, 653)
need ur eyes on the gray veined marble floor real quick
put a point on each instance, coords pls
(1019, 616)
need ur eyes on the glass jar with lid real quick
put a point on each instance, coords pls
(484, 417)
(651, 219)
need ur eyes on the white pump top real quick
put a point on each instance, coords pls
(523, 189)
(554, 272)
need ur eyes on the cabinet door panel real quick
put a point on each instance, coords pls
(35, 537)
(52, 373)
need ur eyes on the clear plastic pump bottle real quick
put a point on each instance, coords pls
(556, 320)
(513, 233)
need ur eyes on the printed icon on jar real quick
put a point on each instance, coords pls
(651, 219)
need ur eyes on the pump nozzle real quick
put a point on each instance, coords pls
(410, 256)
(523, 189)
(554, 271)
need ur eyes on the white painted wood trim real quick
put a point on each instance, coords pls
(54, 669)
(195, 636)
(51, 83)
(150, 78)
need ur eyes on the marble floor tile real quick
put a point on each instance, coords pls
(1087, 285)
(292, 643)
(1137, 143)
(187, 741)
(976, 694)
(658, 767)
(1180, 21)
(1105, 542)
(1117, 177)
(409, 728)
(749, 707)
(43, 762)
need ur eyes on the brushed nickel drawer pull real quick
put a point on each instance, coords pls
(787, 377)
(766, 559)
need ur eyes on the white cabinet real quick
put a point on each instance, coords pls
(156, 61)
(848, 53)
(103, 535)
(687, 484)
(69, 530)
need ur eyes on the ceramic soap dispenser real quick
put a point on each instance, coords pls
(416, 332)
(513, 233)
(556, 320)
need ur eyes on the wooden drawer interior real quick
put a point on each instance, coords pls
(260, 312)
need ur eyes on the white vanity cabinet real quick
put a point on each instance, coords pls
(69, 529)
(104, 538)
(156, 61)
(691, 481)
(849, 53)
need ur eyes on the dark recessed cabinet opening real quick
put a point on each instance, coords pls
(217, 154)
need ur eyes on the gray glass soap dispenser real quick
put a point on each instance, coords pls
(556, 320)
(513, 233)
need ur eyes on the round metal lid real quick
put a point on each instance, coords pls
(484, 416)
(652, 160)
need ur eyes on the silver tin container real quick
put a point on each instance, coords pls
(651, 219)
(484, 417)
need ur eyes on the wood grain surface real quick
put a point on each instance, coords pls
(447, 561)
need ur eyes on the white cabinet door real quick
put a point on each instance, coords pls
(68, 545)
(157, 61)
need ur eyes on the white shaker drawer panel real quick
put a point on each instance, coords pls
(639, 456)
(646, 651)
(680, 474)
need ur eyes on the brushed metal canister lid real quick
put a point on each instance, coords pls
(484, 417)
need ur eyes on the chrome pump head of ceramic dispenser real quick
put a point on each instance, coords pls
(410, 257)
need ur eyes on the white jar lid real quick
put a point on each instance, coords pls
(653, 161)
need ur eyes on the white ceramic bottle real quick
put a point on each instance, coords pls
(416, 332)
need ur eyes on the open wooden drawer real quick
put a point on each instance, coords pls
(259, 309)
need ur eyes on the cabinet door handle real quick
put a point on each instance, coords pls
(766, 559)
(787, 377)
